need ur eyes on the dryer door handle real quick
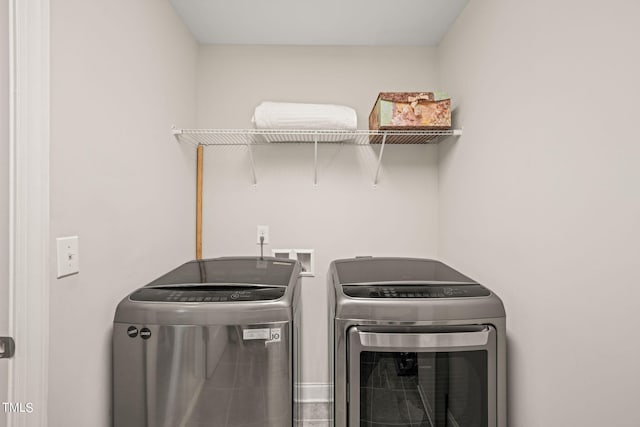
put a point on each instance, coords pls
(440, 341)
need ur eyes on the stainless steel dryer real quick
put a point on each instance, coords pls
(415, 343)
(208, 344)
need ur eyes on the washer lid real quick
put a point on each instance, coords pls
(219, 291)
(246, 270)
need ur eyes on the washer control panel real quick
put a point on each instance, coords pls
(208, 294)
(416, 291)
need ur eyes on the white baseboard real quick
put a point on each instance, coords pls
(313, 392)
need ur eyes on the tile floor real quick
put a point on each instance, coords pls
(313, 415)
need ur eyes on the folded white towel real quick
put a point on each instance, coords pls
(284, 115)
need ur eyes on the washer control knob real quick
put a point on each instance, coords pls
(145, 333)
(132, 331)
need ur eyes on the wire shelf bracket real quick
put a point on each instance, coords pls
(252, 137)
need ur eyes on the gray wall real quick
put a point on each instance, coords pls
(4, 187)
(345, 215)
(122, 73)
(539, 199)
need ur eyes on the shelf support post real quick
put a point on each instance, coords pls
(315, 160)
(253, 165)
(384, 139)
(199, 203)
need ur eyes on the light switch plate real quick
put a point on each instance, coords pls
(68, 256)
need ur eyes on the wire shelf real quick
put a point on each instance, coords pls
(251, 137)
(208, 137)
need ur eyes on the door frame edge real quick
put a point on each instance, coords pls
(29, 208)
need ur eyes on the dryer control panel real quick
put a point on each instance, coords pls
(416, 291)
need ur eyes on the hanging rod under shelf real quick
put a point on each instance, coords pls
(273, 136)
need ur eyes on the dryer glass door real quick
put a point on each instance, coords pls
(430, 378)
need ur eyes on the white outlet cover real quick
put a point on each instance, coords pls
(262, 230)
(68, 256)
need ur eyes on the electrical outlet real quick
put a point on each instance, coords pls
(263, 231)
